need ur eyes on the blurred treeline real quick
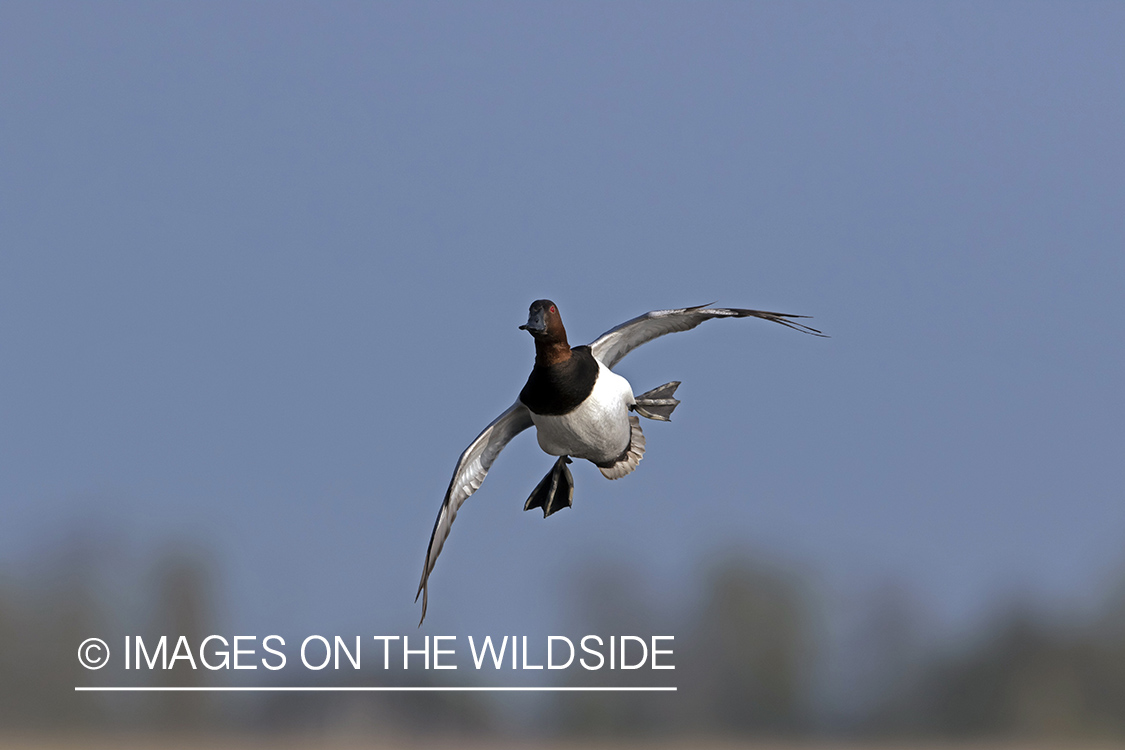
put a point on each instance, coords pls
(755, 653)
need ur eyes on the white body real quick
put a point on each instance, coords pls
(597, 429)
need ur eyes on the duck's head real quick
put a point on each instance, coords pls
(544, 321)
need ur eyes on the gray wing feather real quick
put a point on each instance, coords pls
(467, 477)
(615, 343)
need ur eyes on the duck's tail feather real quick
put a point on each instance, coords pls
(632, 455)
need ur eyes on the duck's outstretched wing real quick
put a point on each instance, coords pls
(470, 472)
(615, 343)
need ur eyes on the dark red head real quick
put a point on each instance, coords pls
(545, 324)
(544, 321)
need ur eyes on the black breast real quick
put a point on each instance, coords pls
(558, 389)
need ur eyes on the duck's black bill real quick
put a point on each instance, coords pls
(536, 322)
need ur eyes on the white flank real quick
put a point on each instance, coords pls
(598, 429)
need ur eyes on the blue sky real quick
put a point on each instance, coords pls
(261, 268)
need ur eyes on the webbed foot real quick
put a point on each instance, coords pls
(658, 403)
(555, 491)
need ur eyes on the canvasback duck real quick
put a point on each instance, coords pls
(579, 407)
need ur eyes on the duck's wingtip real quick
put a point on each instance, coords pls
(425, 601)
(787, 320)
(813, 331)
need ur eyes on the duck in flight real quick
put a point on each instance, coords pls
(579, 407)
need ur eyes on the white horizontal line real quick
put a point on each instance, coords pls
(364, 689)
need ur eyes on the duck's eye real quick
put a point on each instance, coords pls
(553, 309)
